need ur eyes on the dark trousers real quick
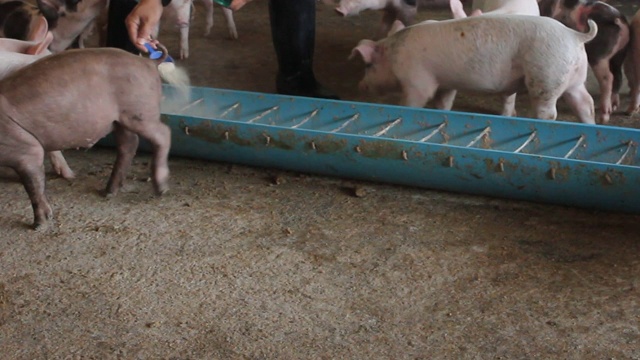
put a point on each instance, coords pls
(117, 35)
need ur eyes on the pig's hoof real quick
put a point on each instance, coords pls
(633, 110)
(41, 224)
(110, 193)
(604, 118)
(67, 174)
(162, 191)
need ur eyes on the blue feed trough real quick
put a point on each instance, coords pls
(588, 166)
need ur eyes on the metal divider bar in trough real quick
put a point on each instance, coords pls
(543, 161)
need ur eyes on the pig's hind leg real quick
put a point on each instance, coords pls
(160, 138)
(31, 172)
(126, 145)
(581, 103)
(605, 79)
(159, 135)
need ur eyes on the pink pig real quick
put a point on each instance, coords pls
(497, 54)
(47, 107)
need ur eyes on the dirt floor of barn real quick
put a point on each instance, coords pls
(247, 263)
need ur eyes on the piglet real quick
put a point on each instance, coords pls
(606, 53)
(46, 106)
(632, 66)
(490, 54)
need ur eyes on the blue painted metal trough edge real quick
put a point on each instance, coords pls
(272, 142)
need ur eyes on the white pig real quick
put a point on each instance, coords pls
(632, 66)
(490, 54)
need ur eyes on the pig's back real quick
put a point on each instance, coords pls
(78, 71)
(486, 53)
(80, 92)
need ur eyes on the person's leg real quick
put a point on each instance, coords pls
(293, 29)
(117, 35)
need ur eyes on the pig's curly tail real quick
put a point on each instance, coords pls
(165, 53)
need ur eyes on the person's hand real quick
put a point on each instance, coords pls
(237, 4)
(142, 21)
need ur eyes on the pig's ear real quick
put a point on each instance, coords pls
(39, 29)
(42, 46)
(341, 11)
(41, 35)
(366, 48)
(457, 9)
(397, 26)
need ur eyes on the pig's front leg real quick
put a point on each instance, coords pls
(545, 108)
(509, 105)
(444, 98)
(605, 80)
(581, 103)
(418, 95)
(616, 64)
(60, 165)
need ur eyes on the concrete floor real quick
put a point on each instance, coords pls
(247, 263)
